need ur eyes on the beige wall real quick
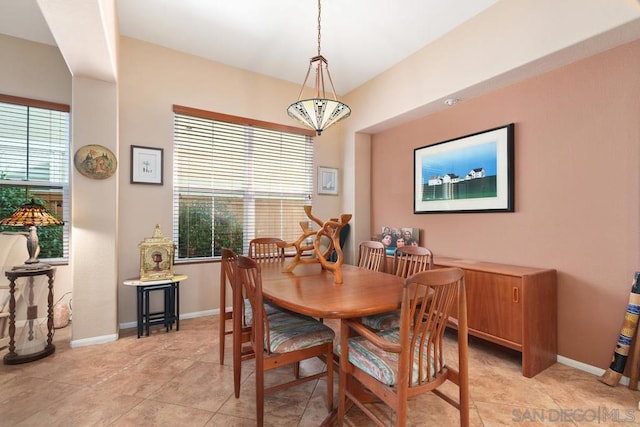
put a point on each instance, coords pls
(577, 143)
(152, 79)
(36, 71)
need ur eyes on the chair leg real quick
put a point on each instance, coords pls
(223, 318)
(330, 376)
(401, 414)
(296, 370)
(344, 366)
(237, 358)
(259, 390)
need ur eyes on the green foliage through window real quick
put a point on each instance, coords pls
(34, 164)
(234, 181)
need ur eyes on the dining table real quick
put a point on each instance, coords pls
(311, 290)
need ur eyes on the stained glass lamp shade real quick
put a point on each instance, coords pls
(31, 215)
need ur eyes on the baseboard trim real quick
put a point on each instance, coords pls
(93, 341)
(587, 368)
(129, 325)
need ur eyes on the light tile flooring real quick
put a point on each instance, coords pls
(174, 379)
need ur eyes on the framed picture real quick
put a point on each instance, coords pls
(327, 180)
(474, 173)
(146, 165)
(397, 237)
(156, 257)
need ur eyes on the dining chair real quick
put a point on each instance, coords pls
(399, 363)
(372, 255)
(282, 338)
(228, 277)
(266, 249)
(407, 261)
(242, 324)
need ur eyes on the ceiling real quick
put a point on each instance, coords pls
(469, 47)
(359, 38)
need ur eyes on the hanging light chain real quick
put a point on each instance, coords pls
(318, 113)
(319, 7)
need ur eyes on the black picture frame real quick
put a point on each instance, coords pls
(471, 174)
(146, 165)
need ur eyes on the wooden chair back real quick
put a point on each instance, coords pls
(428, 300)
(409, 260)
(251, 279)
(372, 255)
(267, 249)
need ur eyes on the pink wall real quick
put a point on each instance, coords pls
(577, 138)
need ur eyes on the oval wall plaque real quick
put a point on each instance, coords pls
(95, 161)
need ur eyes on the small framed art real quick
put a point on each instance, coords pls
(146, 165)
(327, 180)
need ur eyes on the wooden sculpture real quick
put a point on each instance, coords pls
(331, 230)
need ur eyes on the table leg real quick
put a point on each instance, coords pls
(146, 311)
(139, 304)
(168, 312)
(177, 294)
(50, 313)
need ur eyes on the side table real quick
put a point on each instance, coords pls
(30, 345)
(171, 311)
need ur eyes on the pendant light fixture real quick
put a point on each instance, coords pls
(318, 112)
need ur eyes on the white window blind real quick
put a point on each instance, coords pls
(236, 179)
(34, 164)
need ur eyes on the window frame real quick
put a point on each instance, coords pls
(247, 124)
(39, 186)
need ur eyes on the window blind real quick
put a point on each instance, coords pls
(34, 164)
(236, 179)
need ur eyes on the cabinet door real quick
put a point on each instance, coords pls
(494, 304)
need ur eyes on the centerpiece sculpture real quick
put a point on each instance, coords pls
(329, 229)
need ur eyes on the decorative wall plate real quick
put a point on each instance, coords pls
(95, 161)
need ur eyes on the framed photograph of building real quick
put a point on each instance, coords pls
(473, 173)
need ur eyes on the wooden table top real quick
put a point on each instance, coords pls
(137, 282)
(311, 290)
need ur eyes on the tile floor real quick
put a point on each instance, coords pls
(174, 379)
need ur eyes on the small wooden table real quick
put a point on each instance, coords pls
(171, 312)
(35, 348)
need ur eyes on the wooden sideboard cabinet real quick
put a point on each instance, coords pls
(513, 306)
